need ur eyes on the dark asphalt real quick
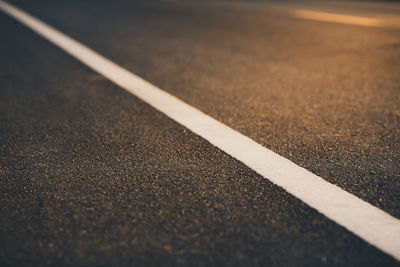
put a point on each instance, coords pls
(93, 176)
(323, 95)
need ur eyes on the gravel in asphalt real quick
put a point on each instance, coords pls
(323, 95)
(92, 176)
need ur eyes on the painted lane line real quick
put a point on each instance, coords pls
(368, 222)
(337, 18)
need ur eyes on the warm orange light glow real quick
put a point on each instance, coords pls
(330, 17)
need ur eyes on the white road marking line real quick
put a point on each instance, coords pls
(368, 222)
(337, 18)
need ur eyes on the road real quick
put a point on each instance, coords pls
(93, 176)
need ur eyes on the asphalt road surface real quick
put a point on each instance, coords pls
(93, 176)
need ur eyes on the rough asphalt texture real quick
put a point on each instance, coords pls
(323, 95)
(93, 176)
